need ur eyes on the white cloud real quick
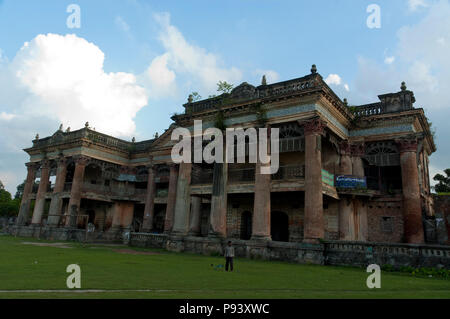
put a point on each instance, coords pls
(3, 58)
(336, 80)
(202, 68)
(121, 24)
(422, 62)
(333, 79)
(271, 76)
(66, 78)
(57, 79)
(414, 5)
(6, 116)
(389, 59)
(161, 78)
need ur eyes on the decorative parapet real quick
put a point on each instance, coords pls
(90, 135)
(246, 91)
(368, 109)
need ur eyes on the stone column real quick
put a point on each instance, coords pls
(182, 203)
(196, 216)
(56, 203)
(26, 201)
(219, 198)
(149, 210)
(42, 191)
(412, 209)
(313, 224)
(361, 232)
(75, 193)
(346, 203)
(358, 151)
(261, 205)
(171, 198)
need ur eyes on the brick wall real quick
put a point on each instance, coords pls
(385, 220)
(442, 211)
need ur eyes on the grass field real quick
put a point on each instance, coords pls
(30, 269)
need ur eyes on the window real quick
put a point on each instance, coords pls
(387, 224)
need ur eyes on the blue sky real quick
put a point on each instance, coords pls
(134, 62)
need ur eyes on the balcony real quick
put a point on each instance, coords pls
(289, 172)
(121, 192)
(204, 176)
(241, 175)
(292, 144)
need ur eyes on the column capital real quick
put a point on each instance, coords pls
(81, 159)
(314, 126)
(150, 168)
(407, 145)
(358, 149)
(345, 148)
(61, 160)
(45, 164)
(32, 166)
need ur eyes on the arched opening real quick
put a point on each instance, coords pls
(246, 225)
(279, 226)
(70, 170)
(159, 218)
(93, 174)
(91, 215)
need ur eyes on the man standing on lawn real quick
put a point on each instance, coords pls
(229, 255)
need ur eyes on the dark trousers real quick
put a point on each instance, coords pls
(228, 262)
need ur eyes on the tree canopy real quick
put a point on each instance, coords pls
(443, 185)
(8, 206)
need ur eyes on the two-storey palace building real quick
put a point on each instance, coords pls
(351, 173)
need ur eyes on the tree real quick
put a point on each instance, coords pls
(19, 191)
(224, 87)
(8, 206)
(443, 185)
(196, 96)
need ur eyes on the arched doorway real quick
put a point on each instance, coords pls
(246, 225)
(279, 226)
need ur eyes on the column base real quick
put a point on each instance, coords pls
(193, 234)
(314, 241)
(216, 235)
(261, 238)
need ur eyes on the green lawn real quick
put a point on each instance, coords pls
(172, 275)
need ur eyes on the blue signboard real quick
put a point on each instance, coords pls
(349, 181)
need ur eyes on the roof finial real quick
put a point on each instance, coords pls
(345, 102)
(190, 98)
(264, 80)
(133, 139)
(68, 130)
(86, 125)
(61, 127)
(314, 69)
(37, 136)
(403, 87)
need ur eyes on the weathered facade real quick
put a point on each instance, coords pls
(120, 186)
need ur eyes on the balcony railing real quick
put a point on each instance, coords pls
(162, 192)
(241, 175)
(289, 172)
(292, 144)
(113, 191)
(369, 109)
(67, 187)
(204, 176)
